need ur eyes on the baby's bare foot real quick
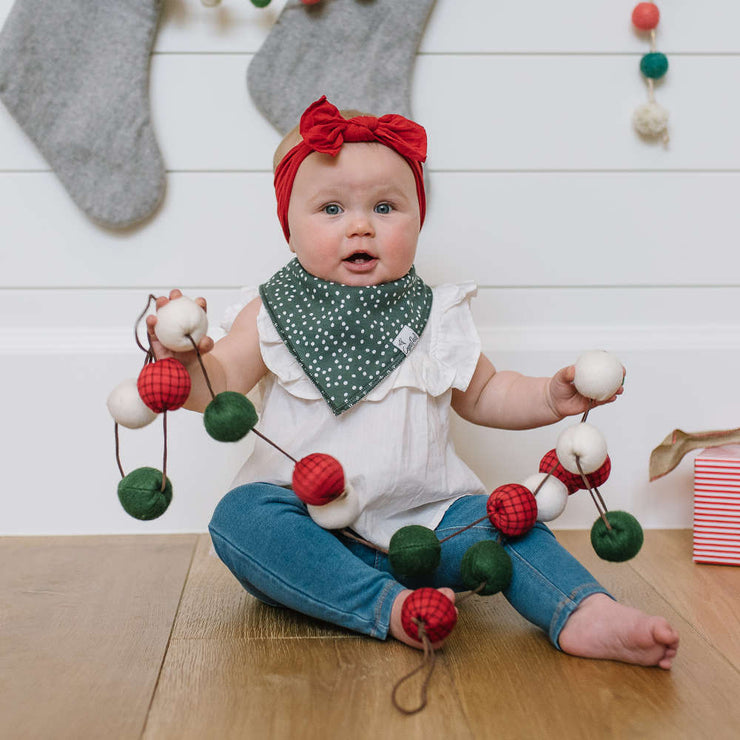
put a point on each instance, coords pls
(604, 628)
(396, 629)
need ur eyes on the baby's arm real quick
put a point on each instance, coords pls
(233, 363)
(509, 400)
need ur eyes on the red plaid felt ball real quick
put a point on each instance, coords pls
(573, 481)
(164, 385)
(433, 610)
(318, 479)
(601, 475)
(512, 509)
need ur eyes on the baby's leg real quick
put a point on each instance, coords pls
(265, 536)
(551, 589)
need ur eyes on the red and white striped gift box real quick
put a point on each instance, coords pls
(717, 506)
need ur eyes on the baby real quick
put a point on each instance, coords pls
(358, 358)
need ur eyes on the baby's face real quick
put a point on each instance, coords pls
(354, 218)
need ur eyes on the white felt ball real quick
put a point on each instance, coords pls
(650, 119)
(599, 374)
(127, 408)
(339, 513)
(551, 498)
(583, 442)
(177, 319)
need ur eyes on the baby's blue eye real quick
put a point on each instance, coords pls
(383, 208)
(332, 209)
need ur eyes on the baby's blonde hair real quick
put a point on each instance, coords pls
(293, 137)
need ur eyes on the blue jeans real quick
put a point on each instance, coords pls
(264, 535)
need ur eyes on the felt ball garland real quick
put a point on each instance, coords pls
(650, 119)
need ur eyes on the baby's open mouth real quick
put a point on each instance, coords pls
(359, 258)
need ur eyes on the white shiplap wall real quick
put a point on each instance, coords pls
(579, 233)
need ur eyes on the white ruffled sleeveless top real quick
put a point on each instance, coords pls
(394, 445)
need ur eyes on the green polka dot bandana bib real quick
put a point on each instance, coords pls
(347, 339)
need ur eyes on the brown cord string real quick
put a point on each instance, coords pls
(164, 459)
(146, 350)
(118, 449)
(352, 536)
(474, 592)
(460, 531)
(602, 512)
(426, 662)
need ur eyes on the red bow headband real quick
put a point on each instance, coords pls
(324, 130)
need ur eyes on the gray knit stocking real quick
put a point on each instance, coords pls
(75, 76)
(359, 53)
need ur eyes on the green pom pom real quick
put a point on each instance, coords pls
(622, 542)
(486, 562)
(141, 494)
(260, 3)
(229, 417)
(414, 551)
(654, 65)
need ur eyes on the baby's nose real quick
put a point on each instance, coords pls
(360, 224)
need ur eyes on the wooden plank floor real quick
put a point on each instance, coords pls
(150, 636)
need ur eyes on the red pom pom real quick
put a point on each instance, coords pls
(164, 385)
(573, 482)
(512, 509)
(433, 609)
(318, 479)
(645, 16)
(310, 2)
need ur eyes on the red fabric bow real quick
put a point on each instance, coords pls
(323, 129)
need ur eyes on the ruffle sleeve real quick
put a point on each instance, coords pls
(246, 296)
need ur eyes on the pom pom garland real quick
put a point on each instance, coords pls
(141, 493)
(486, 562)
(550, 493)
(599, 375)
(431, 610)
(650, 120)
(127, 408)
(581, 448)
(512, 509)
(414, 551)
(229, 417)
(318, 479)
(619, 541)
(178, 321)
(164, 385)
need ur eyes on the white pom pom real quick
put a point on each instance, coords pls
(127, 408)
(551, 498)
(177, 319)
(599, 374)
(650, 119)
(584, 442)
(339, 513)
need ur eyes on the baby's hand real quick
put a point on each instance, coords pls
(565, 400)
(160, 351)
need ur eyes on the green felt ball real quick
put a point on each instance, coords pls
(622, 542)
(654, 65)
(260, 3)
(141, 494)
(486, 562)
(414, 551)
(229, 417)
